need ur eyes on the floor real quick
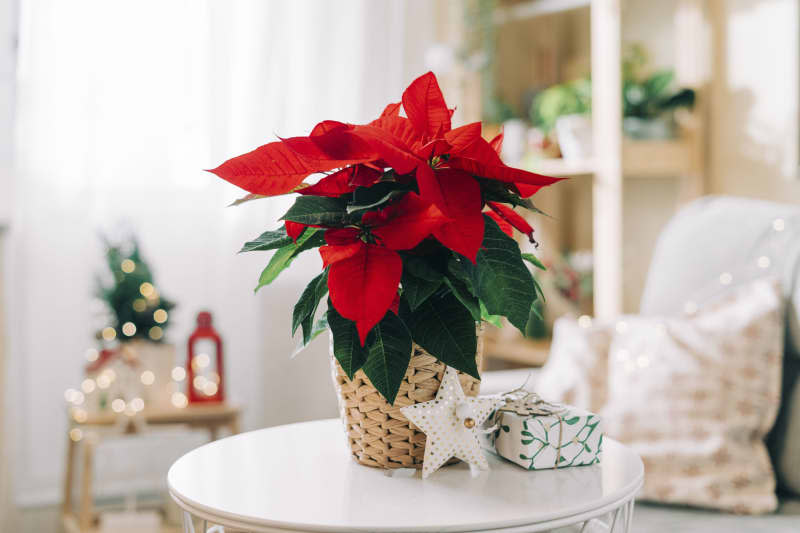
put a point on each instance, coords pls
(38, 520)
(48, 520)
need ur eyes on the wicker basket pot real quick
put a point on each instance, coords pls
(378, 434)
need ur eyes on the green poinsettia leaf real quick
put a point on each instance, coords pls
(420, 280)
(495, 320)
(320, 326)
(539, 292)
(284, 256)
(282, 259)
(269, 240)
(421, 268)
(306, 306)
(318, 210)
(417, 290)
(460, 291)
(365, 198)
(495, 191)
(346, 346)
(456, 270)
(500, 278)
(389, 355)
(532, 259)
(444, 328)
(536, 313)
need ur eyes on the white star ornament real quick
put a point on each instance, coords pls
(452, 425)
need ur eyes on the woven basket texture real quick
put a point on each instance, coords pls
(378, 434)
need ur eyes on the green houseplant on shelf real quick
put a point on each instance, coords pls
(566, 108)
(647, 106)
(647, 103)
(413, 221)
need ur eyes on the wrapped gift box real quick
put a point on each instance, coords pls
(539, 435)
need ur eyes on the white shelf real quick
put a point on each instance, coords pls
(536, 8)
(658, 159)
(561, 167)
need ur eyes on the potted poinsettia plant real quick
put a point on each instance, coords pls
(413, 221)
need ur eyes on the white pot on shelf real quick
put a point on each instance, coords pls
(574, 133)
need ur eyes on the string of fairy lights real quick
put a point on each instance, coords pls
(150, 294)
(78, 398)
(116, 381)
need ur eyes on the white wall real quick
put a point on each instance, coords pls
(752, 97)
(8, 40)
(754, 135)
(121, 130)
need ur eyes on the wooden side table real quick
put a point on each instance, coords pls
(89, 433)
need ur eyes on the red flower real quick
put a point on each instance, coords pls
(448, 167)
(280, 167)
(513, 218)
(343, 181)
(421, 143)
(362, 280)
(501, 222)
(365, 269)
(294, 229)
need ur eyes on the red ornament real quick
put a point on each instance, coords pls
(204, 369)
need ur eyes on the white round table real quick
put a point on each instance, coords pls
(301, 477)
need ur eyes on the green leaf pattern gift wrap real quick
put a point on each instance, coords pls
(538, 435)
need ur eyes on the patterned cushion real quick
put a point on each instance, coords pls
(576, 372)
(695, 396)
(745, 238)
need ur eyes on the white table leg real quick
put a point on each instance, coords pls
(623, 519)
(630, 516)
(188, 523)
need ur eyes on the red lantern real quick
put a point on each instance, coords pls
(204, 368)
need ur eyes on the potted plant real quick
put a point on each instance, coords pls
(566, 108)
(646, 102)
(413, 221)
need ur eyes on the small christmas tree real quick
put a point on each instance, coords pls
(137, 308)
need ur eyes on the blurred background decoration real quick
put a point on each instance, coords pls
(136, 307)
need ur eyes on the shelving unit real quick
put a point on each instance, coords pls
(616, 158)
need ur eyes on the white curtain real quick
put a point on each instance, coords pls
(121, 106)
